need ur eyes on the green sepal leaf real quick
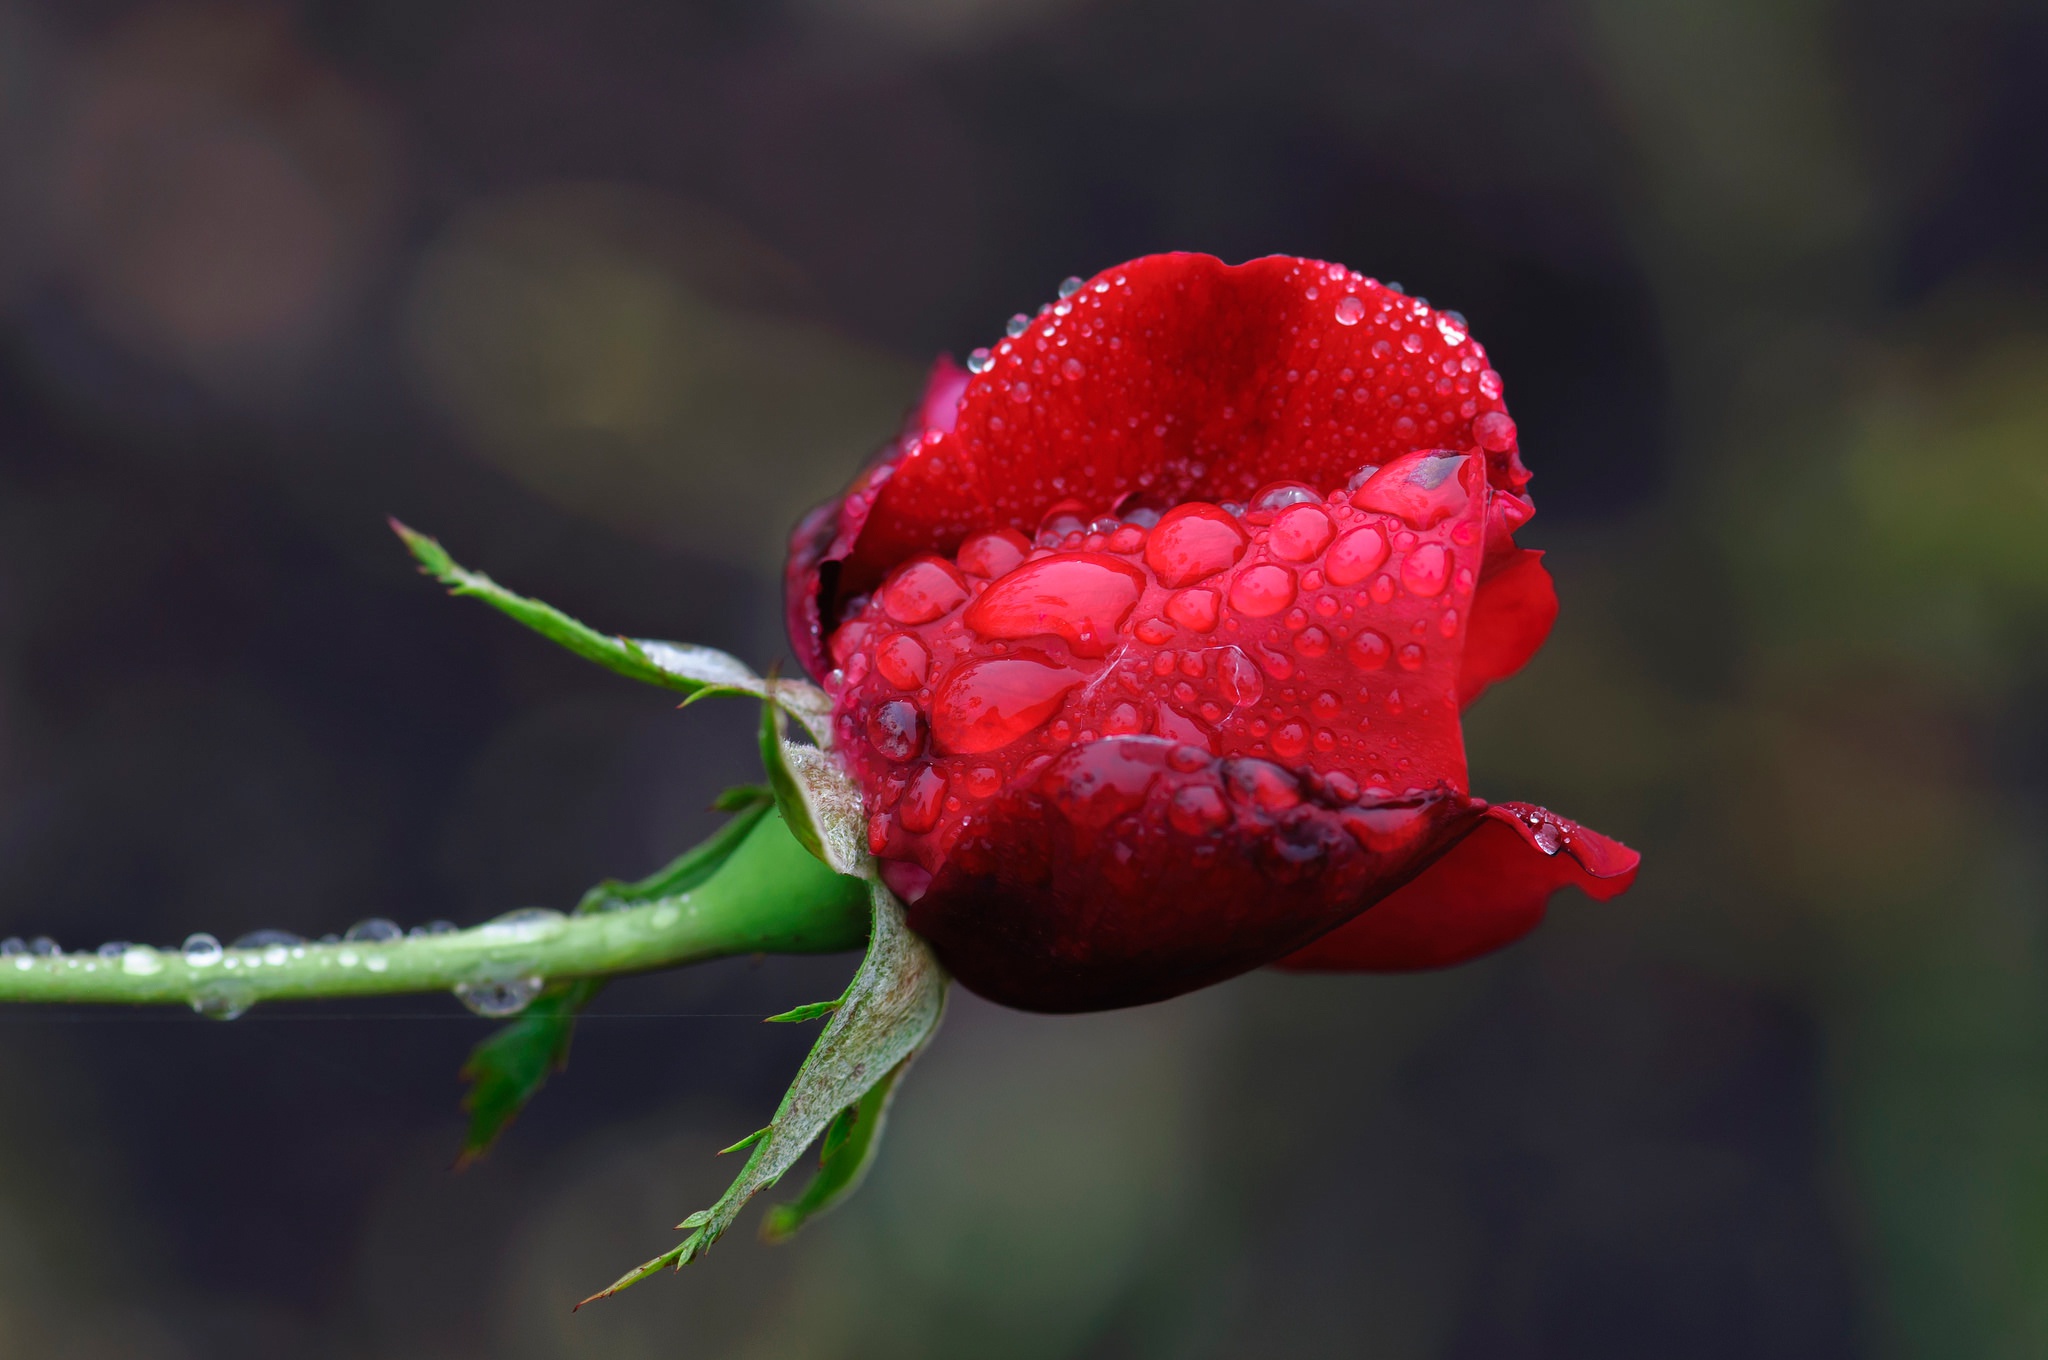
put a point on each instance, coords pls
(848, 1151)
(890, 1011)
(756, 1136)
(803, 1013)
(509, 1068)
(820, 803)
(695, 671)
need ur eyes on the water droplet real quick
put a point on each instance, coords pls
(984, 782)
(993, 554)
(1197, 810)
(921, 590)
(497, 999)
(1260, 591)
(1290, 740)
(43, 947)
(894, 729)
(1274, 497)
(1412, 657)
(1545, 834)
(1238, 678)
(113, 949)
(980, 361)
(1262, 784)
(1069, 286)
(1194, 610)
(523, 925)
(12, 946)
(923, 799)
(1083, 598)
(1369, 650)
(1020, 391)
(1494, 431)
(1193, 541)
(1412, 342)
(433, 928)
(1351, 308)
(1017, 325)
(1071, 369)
(1425, 571)
(374, 931)
(1356, 555)
(201, 950)
(1312, 642)
(223, 1000)
(902, 661)
(1423, 489)
(256, 939)
(985, 705)
(1098, 783)
(1300, 533)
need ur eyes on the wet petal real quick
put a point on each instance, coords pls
(1512, 612)
(1488, 890)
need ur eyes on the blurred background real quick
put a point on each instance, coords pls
(605, 293)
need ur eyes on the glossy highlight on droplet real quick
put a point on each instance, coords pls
(1082, 598)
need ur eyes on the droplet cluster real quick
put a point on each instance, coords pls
(1313, 633)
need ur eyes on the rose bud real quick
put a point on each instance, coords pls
(1148, 640)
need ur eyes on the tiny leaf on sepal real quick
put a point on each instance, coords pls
(890, 1011)
(803, 1013)
(741, 797)
(756, 1136)
(695, 671)
(508, 1069)
(849, 1150)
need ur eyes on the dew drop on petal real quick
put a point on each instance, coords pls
(1081, 597)
(993, 554)
(1350, 309)
(1197, 810)
(980, 361)
(1369, 650)
(923, 799)
(1069, 286)
(1356, 555)
(1261, 591)
(894, 729)
(921, 590)
(1426, 570)
(1017, 325)
(1238, 678)
(902, 661)
(986, 705)
(1494, 431)
(1300, 533)
(1194, 610)
(1193, 541)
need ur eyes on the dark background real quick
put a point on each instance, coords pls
(605, 293)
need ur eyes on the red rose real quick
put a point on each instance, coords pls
(1148, 639)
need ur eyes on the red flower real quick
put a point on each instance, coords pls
(1148, 640)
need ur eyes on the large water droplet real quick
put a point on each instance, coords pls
(113, 949)
(497, 999)
(993, 554)
(1545, 834)
(201, 950)
(902, 661)
(1369, 650)
(922, 589)
(1238, 678)
(1083, 598)
(985, 705)
(1069, 286)
(1271, 499)
(374, 931)
(1017, 325)
(43, 947)
(1262, 590)
(1355, 555)
(1194, 609)
(1426, 570)
(1351, 309)
(12, 946)
(1100, 782)
(923, 799)
(1424, 488)
(894, 729)
(1193, 541)
(1300, 533)
(1494, 431)
(980, 361)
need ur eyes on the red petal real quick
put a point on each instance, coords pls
(1168, 379)
(1511, 616)
(1488, 890)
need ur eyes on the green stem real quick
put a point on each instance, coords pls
(771, 896)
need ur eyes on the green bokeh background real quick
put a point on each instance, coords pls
(605, 294)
